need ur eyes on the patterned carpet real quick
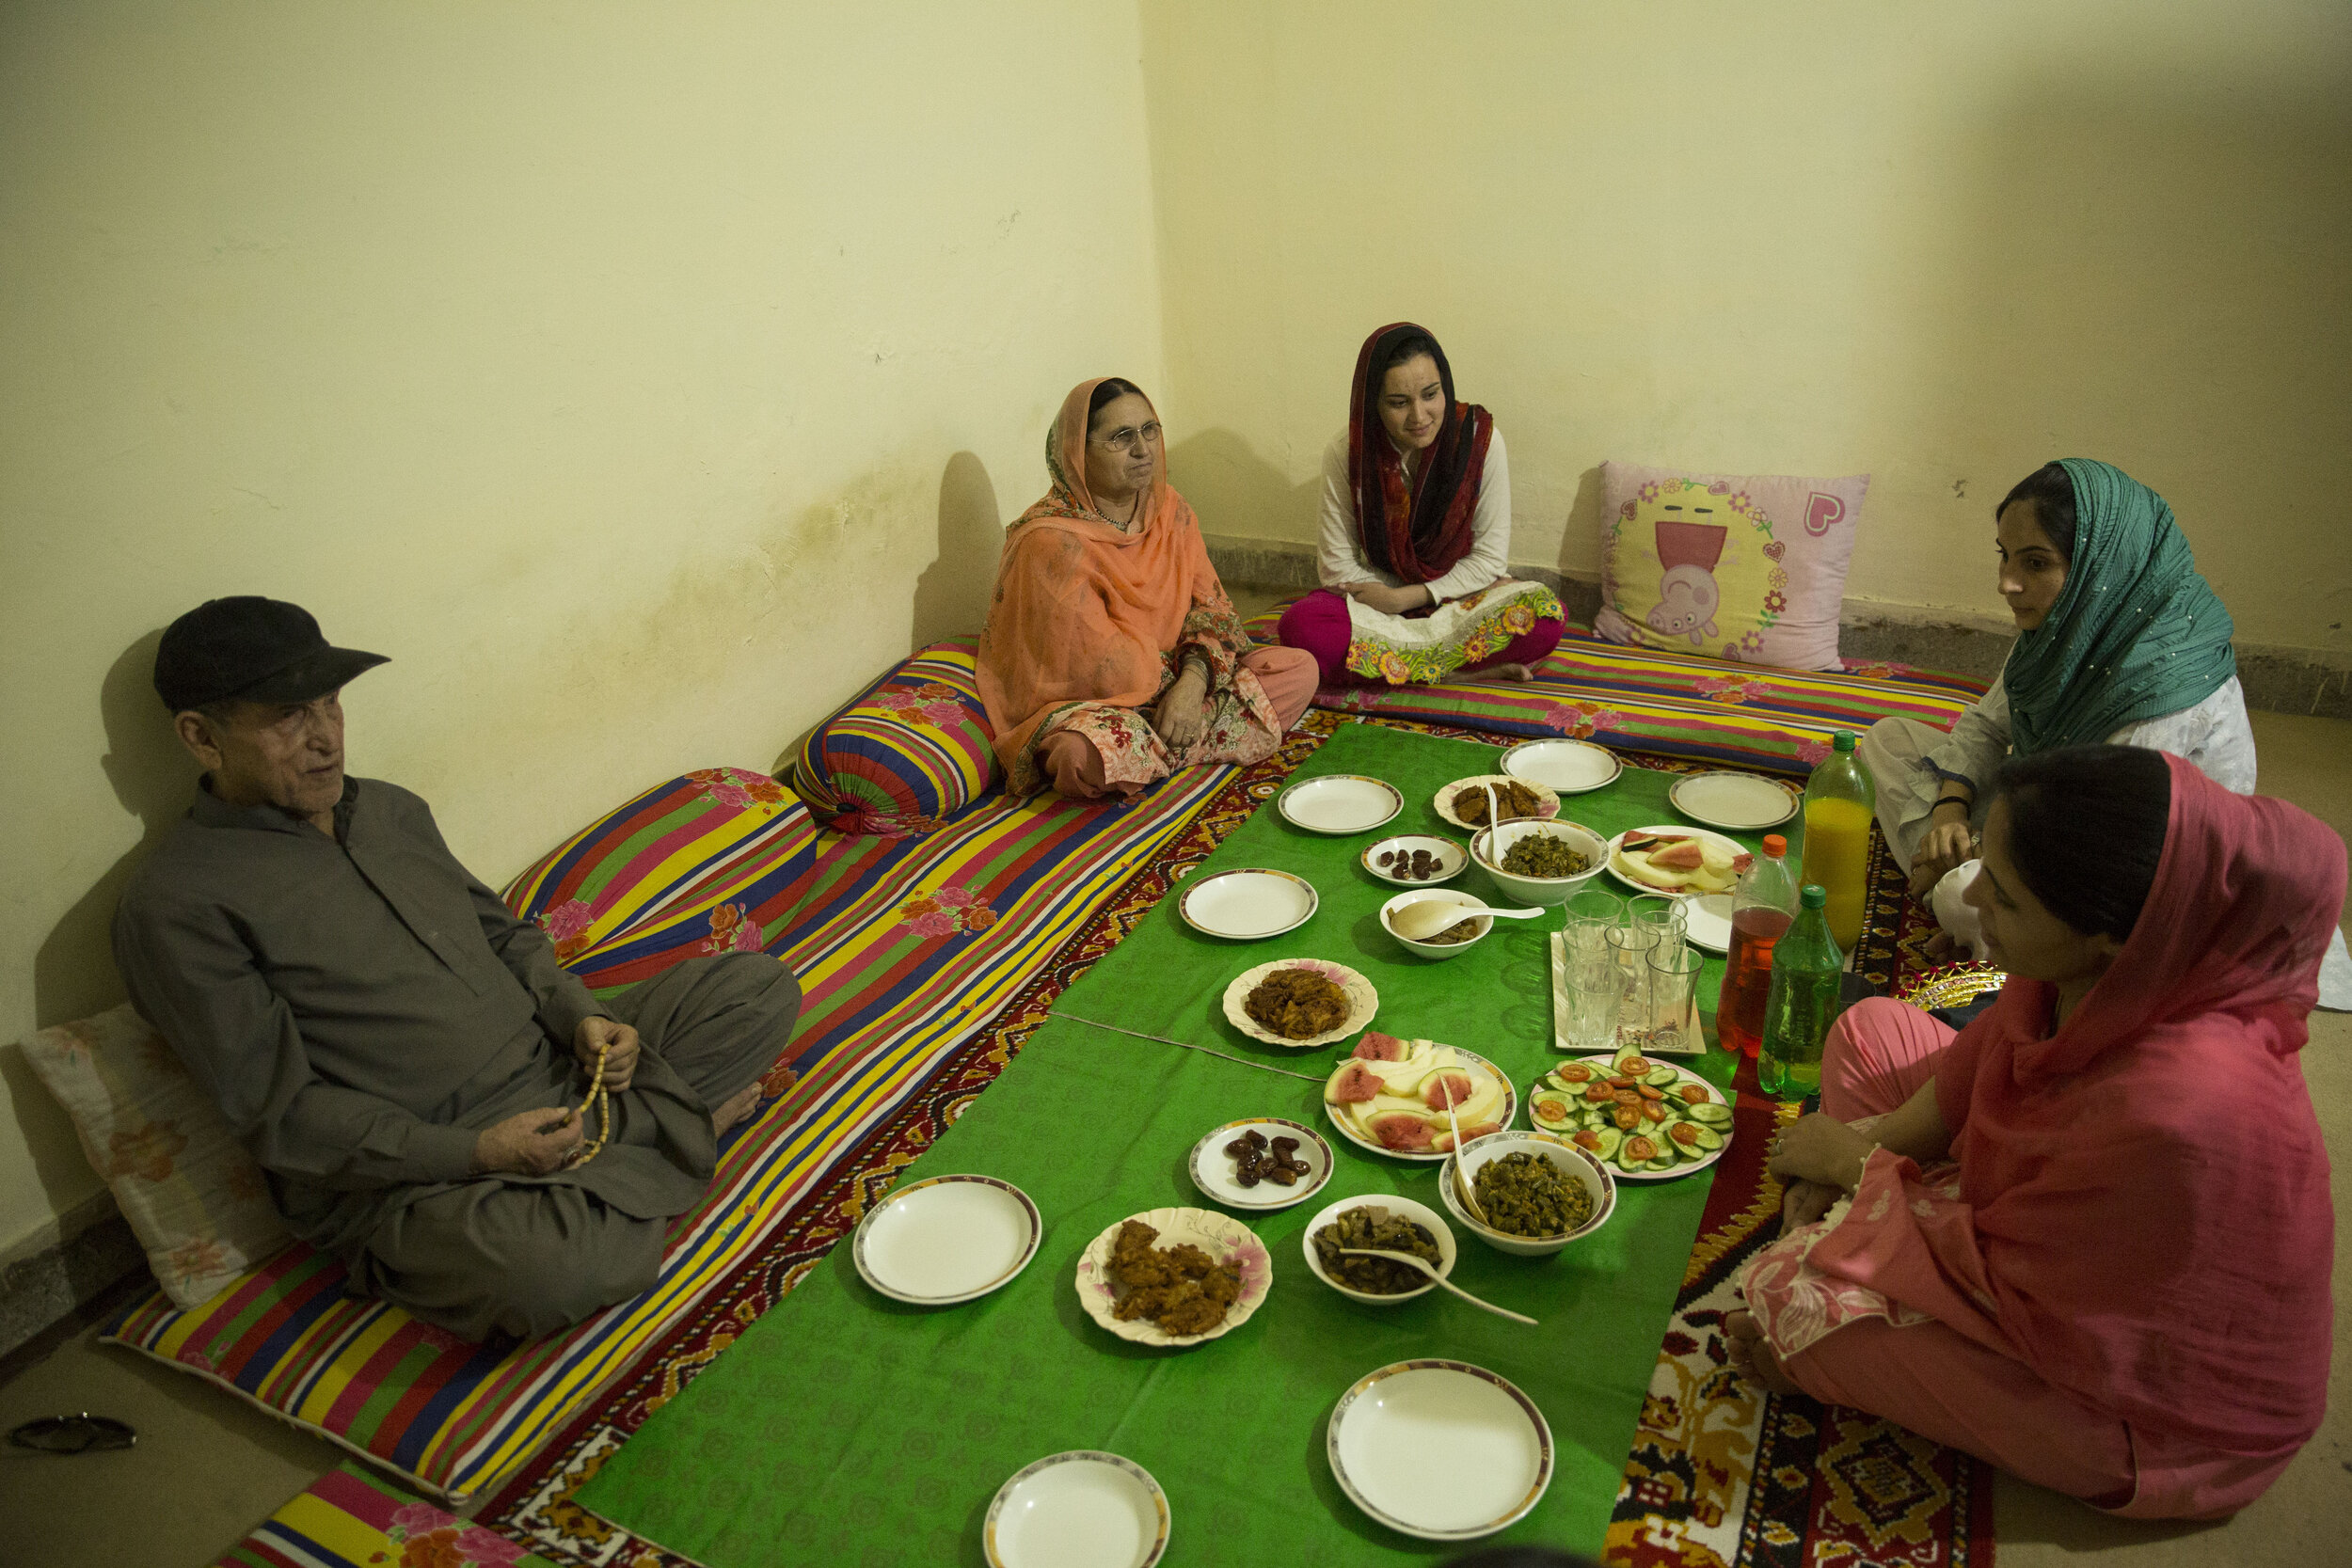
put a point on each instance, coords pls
(1717, 1475)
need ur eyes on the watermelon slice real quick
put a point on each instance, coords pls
(1353, 1084)
(1443, 1142)
(1686, 855)
(1741, 863)
(1401, 1130)
(1378, 1047)
(1446, 1088)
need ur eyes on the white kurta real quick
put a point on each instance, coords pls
(1339, 556)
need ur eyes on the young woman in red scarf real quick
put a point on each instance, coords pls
(1416, 540)
(2088, 1238)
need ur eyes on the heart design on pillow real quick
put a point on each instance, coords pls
(1775, 550)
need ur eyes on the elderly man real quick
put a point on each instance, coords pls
(402, 1056)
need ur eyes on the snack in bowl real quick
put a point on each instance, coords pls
(1369, 1225)
(1514, 799)
(1541, 855)
(1296, 1004)
(1680, 863)
(1526, 1194)
(1395, 1096)
(1180, 1288)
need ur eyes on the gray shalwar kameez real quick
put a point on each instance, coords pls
(361, 1007)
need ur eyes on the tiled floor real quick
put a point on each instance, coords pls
(208, 1467)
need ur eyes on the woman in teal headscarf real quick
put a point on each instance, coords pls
(2119, 641)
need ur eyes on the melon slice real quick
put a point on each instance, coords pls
(1376, 1047)
(1401, 1130)
(1353, 1083)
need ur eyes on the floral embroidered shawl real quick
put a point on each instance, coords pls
(1418, 533)
(1084, 611)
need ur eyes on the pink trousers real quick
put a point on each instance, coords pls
(1319, 623)
(1286, 675)
(1930, 1378)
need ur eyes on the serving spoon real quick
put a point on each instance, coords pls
(1423, 1266)
(1425, 918)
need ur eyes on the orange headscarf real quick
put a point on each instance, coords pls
(1086, 612)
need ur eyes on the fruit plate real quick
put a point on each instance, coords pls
(1221, 1236)
(1744, 802)
(1563, 767)
(1247, 905)
(1626, 873)
(1471, 1059)
(1439, 1450)
(1339, 804)
(947, 1239)
(1212, 1168)
(1547, 800)
(1362, 1002)
(1083, 1509)
(1571, 1082)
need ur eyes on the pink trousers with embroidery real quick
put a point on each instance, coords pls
(1320, 625)
(1075, 767)
(1930, 1378)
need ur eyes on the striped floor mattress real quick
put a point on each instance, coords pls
(909, 949)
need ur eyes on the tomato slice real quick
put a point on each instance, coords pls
(1638, 1066)
(1586, 1140)
(1684, 1134)
(1628, 1118)
(1696, 1093)
(1625, 1097)
(1647, 1092)
(1549, 1110)
(1641, 1149)
(1600, 1093)
(1652, 1111)
(1576, 1072)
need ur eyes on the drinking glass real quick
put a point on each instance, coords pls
(1673, 984)
(1592, 1003)
(1590, 915)
(1629, 945)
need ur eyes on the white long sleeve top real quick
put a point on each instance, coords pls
(1340, 557)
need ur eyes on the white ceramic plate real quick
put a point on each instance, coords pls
(1083, 1509)
(947, 1239)
(1706, 921)
(1341, 803)
(1246, 905)
(1451, 858)
(1742, 802)
(1468, 1059)
(1221, 1236)
(1616, 866)
(1362, 1002)
(1213, 1168)
(1440, 1449)
(1562, 767)
(1546, 803)
(1684, 1075)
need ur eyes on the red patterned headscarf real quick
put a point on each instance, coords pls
(1419, 534)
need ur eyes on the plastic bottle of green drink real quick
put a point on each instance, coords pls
(1801, 1003)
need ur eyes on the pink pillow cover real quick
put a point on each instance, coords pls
(1747, 567)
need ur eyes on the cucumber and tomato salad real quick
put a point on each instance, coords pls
(1636, 1115)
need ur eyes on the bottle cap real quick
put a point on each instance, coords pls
(1775, 845)
(1843, 740)
(1814, 896)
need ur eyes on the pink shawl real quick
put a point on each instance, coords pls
(2144, 1216)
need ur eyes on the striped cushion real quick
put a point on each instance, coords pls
(909, 753)
(714, 862)
(1679, 704)
(904, 949)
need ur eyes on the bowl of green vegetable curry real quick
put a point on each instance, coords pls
(1540, 862)
(1537, 1193)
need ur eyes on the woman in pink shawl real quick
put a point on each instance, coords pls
(1112, 656)
(2088, 1238)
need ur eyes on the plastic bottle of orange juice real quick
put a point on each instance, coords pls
(1839, 800)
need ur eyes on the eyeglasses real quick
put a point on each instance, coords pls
(1126, 439)
(74, 1433)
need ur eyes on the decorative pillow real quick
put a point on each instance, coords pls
(911, 752)
(195, 1198)
(1750, 568)
(715, 860)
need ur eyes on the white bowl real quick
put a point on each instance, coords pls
(1539, 889)
(1420, 1214)
(1570, 1162)
(1439, 895)
(1452, 859)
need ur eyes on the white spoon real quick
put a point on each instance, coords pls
(1425, 918)
(1460, 1185)
(1423, 1266)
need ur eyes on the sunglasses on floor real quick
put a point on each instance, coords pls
(74, 1433)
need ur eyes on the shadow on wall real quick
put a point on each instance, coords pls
(951, 596)
(1581, 548)
(74, 973)
(2160, 269)
(1235, 492)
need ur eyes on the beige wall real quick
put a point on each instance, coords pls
(641, 379)
(1940, 244)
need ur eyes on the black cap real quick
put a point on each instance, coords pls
(252, 649)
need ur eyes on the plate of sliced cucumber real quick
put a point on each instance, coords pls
(1645, 1118)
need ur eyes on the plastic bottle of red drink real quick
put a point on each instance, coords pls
(1762, 910)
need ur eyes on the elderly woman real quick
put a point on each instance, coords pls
(1416, 542)
(2119, 640)
(1112, 656)
(2088, 1238)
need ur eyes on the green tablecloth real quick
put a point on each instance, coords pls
(844, 1428)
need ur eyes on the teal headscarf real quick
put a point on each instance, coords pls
(2135, 632)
